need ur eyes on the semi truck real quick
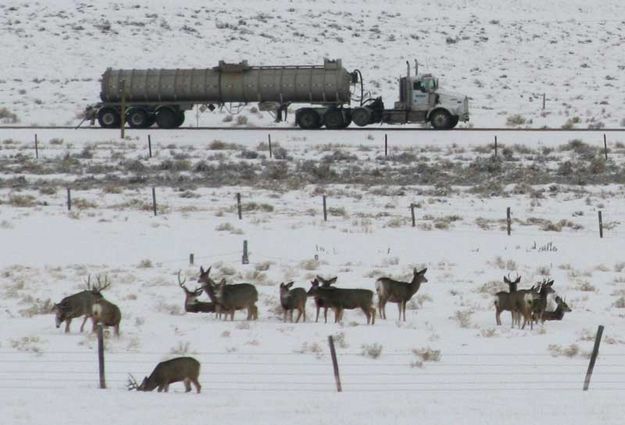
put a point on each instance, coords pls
(330, 92)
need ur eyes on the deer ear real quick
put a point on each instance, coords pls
(505, 279)
(333, 280)
(422, 272)
(518, 279)
(288, 285)
(201, 269)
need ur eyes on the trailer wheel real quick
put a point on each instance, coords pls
(441, 119)
(138, 118)
(361, 116)
(109, 118)
(334, 119)
(308, 119)
(167, 118)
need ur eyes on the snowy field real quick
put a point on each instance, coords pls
(449, 363)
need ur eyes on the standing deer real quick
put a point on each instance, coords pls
(185, 369)
(231, 297)
(398, 292)
(319, 303)
(293, 299)
(104, 311)
(208, 285)
(541, 305)
(340, 299)
(558, 313)
(503, 299)
(522, 302)
(191, 302)
(76, 305)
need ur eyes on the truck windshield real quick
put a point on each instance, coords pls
(429, 84)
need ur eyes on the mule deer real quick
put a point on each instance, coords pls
(319, 303)
(105, 312)
(340, 299)
(76, 305)
(185, 369)
(398, 292)
(558, 313)
(191, 302)
(503, 299)
(540, 305)
(293, 299)
(522, 302)
(230, 298)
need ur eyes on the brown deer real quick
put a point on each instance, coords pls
(398, 292)
(558, 313)
(319, 303)
(208, 285)
(105, 312)
(540, 305)
(522, 302)
(185, 369)
(231, 297)
(191, 302)
(293, 299)
(340, 299)
(503, 299)
(76, 305)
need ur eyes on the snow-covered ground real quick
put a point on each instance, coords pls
(449, 362)
(504, 54)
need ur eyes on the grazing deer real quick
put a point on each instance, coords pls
(293, 299)
(503, 299)
(398, 292)
(230, 298)
(104, 311)
(558, 313)
(76, 305)
(185, 369)
(340, 299)
(319, 303)
(191, 303)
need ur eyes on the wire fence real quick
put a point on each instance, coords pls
(393, 371)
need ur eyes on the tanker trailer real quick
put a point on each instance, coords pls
(162, 95)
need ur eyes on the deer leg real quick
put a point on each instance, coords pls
(198, 387)
(325, 314)
(67, 322)
(382, 307)
(299, 315)
(117, 329)
(404, 309)
(187, 385)
(317, 318)
(284, 319)
(83, 323)
(497, 318)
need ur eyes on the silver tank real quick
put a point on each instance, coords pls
(226, 83)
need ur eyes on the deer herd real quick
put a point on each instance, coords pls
(538, 303)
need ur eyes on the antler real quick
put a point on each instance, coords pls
(102, 286)
(132, 383)
(181, 283)
(88, 282)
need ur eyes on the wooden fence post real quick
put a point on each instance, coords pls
(269, 140)
(593, 357)
(36, 147)
(101, 355)
(600, 225)
(245, 259)
(325, 211)
(69, 199)
(335, 364)
(239, 210)
(385, 145)
(508, 221)
(154, 200)
(122, 114)
(414, 223)
(544, 100)
(605, 147)
(191, 259)
(495, 146)
(150, 146)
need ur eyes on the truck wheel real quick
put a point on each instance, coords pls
(180, 118)
(361, 116)
(440, 119)
(109, 118)
(454, 122)
(308, 119)
(138, 118)
(334, 119)
(166, 118)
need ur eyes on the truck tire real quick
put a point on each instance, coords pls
(180, 118)
(441, 119)
(108, 117)
(138, 118)
(167, 118)
(454, 121)
(361, 116)
(334, 119)
(308, 119)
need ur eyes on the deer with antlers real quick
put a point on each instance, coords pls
(230, 297)
(104, 311)
(77, 305)
(185, 369)
(191, 302)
